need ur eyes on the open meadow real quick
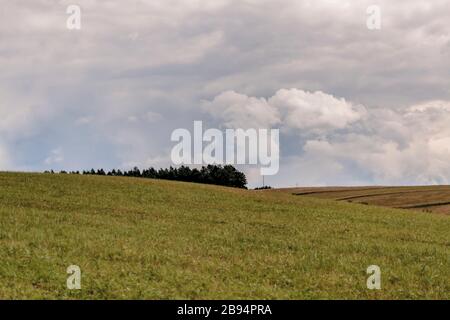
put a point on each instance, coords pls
(152, 239)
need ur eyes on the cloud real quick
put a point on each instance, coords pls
(20, 113)
(353, 143)
(83, 120)
(240, 111)
(294, 108)
(5, 161)
(314, 111)
(153, 116)
(56, 156)
(409, 146)
(356, 108)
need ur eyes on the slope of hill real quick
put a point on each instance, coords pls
(435, 199)
(137, 238)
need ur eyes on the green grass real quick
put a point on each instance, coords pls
(147, 239)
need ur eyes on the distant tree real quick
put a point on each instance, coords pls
(211, 174)
(263, 188)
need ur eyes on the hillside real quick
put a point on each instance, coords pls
(432, 199)
(139, 238)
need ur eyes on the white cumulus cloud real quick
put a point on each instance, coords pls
(315, 111)
(409, 145)
(240, 111)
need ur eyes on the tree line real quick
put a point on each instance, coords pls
(226, 175)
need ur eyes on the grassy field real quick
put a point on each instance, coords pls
(432, 199)
(147, 239)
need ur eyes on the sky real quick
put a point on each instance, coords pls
(354, 105)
